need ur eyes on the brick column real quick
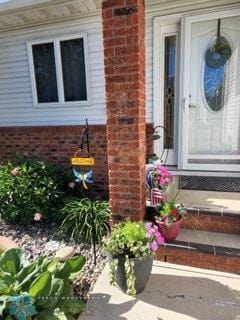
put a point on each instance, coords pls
(124, 51)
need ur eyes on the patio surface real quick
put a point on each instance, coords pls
(173, 293)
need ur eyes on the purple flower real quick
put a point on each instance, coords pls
(154, 246)
(154, 236)
(159, 238)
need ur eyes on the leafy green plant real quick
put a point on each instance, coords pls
(131, 240)
(30, 188)
(170, 212)
(82, 220)
(39, 290)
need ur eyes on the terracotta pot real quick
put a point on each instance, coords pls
(170, 233)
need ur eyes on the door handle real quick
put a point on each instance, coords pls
(192, 105)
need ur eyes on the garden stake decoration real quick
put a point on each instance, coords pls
(157, 175)
(84, 176)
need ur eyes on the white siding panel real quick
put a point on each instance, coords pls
(155, 8)
(16, 103)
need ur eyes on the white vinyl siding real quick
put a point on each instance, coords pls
(16, 99)
(156, 8)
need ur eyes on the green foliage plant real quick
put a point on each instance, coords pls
(170, 210)
(41, 290)
(130, 240)
(28, 188)
(80, 223)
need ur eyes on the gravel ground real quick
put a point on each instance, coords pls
(39, 240)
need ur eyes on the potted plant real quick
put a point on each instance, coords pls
(169, 215)
(131, 247)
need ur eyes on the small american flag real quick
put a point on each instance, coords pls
(156, 196)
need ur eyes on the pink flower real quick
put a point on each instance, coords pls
(37, 217)
(159, 239)
(71, 185)
(15, 171)
(154, 246)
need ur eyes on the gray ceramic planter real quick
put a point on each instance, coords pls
(142, 270)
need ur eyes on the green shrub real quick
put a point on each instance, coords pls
(78, 221)
(42, 289)
(30, 188)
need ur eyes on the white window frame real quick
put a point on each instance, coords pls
(59, 73)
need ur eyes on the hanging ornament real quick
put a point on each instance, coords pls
(83, 177)
(219, 52)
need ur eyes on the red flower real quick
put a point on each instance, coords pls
(174, 212)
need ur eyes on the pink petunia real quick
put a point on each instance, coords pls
(154, 246)
(159, 239)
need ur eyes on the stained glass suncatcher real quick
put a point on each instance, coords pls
(216, 58)
(214, 86)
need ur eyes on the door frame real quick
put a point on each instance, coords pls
(163, 27)
(186, 22)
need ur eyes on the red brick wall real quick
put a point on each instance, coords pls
(124, 58)
(56, 145)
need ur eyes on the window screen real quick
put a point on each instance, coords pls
(73, 67)
(45, 72)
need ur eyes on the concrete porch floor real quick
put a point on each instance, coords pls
(225, 201)
(173, 293)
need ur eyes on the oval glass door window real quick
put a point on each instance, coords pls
(214, 86)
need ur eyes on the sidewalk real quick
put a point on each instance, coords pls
(173, 293)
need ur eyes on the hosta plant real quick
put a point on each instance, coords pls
(83, 219)
(41, 290)
(130, 240)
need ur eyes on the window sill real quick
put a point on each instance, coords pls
(62, 104)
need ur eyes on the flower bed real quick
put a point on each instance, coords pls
(39, 240)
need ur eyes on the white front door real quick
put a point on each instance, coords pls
(210, 92)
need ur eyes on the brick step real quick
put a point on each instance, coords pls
(214, 219)
(207, 250)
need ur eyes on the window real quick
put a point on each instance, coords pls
(169, 90)
(59, 71)
(45, 72)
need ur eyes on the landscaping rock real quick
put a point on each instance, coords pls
(7, 244)
(65, 253)
(41, 240)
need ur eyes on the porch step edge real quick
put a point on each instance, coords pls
(214, 212)
(204, 248)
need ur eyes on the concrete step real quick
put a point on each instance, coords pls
(211, 210)
(208, 250)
